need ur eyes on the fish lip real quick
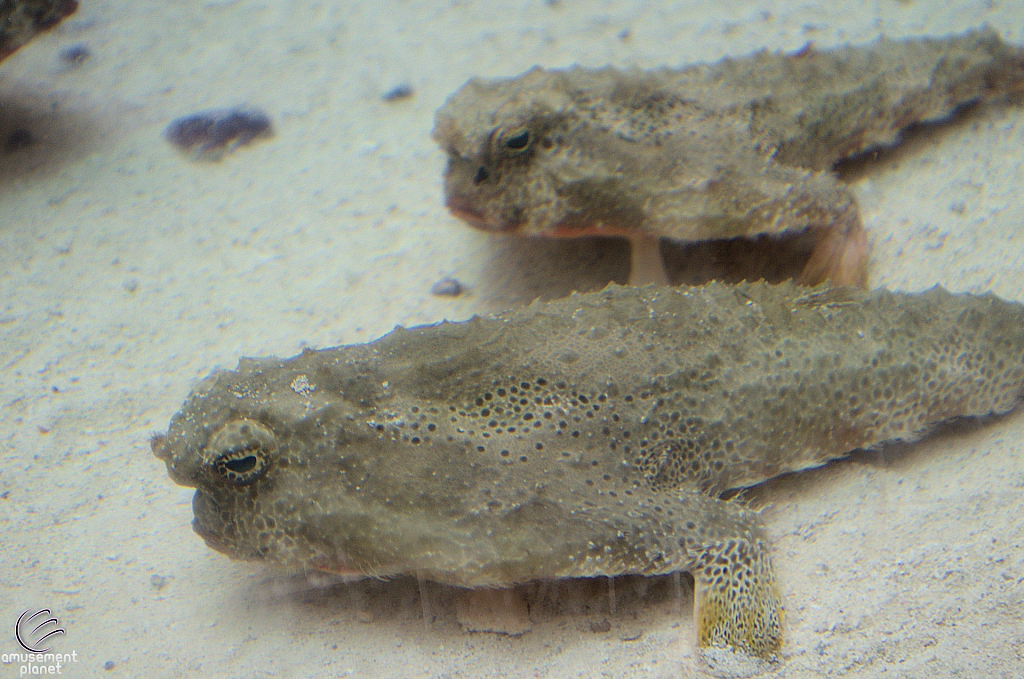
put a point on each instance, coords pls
(208, 536)
(461, 208)
(203, 503)
(564, 230)
(464, 210)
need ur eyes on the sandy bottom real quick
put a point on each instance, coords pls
(127, 272)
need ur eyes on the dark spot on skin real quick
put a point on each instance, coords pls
(17, 140)
(207, 135)
(447, 287)
(398, 92)
(481, 176)
(75, 54)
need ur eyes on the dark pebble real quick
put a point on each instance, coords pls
(75, 54)
(398, 93)
(109, 665)
(447, 287)
(207, 135)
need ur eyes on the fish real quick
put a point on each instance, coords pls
(593, 435)
(726, 155)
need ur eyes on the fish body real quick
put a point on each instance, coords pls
(742, 148)
(587, 436)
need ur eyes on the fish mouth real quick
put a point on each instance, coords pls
(464, 210)
(572, 230)
(209, 537)
(204, 505)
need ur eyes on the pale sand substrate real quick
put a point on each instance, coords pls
(128, 272)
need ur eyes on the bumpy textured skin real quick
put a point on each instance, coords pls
(22, 19)
(742, 147)
(587, 436)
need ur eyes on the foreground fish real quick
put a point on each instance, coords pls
(740, 148)
(589, 436)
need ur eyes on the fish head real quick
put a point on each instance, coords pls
(278, 455)
(523, 160)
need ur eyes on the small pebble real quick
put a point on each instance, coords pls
(398, 93)
(447, 287)
(157, 581)
(75, 54)
(109, 665)
(208, 135)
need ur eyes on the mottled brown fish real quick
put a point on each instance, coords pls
(589, 436)
(740, 148)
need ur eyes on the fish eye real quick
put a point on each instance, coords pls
(517, 140)
(241, 452)
(241, 467)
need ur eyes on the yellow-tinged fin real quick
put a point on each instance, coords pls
(739, 610)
